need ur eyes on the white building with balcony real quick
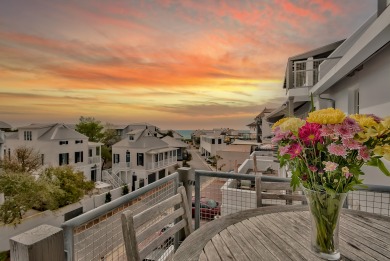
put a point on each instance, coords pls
(141, 158)
(58, 145)
(210, 144)
(353, 77)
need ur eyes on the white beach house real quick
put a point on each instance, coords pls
(58, 145)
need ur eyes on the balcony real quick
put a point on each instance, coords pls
(94, 160)
(162, 163)
(97, 234)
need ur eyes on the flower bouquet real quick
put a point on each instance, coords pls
(325, 153)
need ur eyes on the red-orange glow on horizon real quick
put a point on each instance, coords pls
(189, 64)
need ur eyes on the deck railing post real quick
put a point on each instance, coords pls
(42, 243)
(187, 177)
(258, 191)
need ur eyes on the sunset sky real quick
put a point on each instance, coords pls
(174, 64)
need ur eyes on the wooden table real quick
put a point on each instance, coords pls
(283, 233)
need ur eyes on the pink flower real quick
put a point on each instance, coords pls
(351, 144)
(364, 153)
(294, 150)
(348, 174)
(310, 133)
(336, 149)
(330, 166)
(313, 168)
(343, 131)
(327, 130)
(351, 124)
(284, 150)
(279, 135)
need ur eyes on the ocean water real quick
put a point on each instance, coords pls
(185, 133)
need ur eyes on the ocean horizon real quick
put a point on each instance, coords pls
(187, 133)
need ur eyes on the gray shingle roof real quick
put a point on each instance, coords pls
(143, 142)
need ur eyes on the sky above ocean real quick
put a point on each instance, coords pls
(174, 64)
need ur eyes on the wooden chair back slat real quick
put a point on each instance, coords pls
(131, 223)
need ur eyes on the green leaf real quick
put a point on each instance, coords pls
(383, 168)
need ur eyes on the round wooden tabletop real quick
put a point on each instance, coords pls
(283, 233)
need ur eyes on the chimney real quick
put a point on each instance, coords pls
(382, 4)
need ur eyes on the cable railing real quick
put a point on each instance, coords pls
(232, 192)
(97, 234)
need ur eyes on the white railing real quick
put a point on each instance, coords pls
(112, 179)
(92, 160)
(306, 73)
(162, 163)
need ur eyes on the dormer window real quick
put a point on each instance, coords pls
(63, 142)
(131, 137)
(27, 135)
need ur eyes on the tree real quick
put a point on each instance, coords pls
(91, 128)
(21, 193)
(110, 137)
(23, 160)
(72, 184)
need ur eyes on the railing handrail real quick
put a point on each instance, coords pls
(69, 225)
(365, 187)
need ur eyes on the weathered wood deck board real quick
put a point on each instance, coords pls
(222, 248)
(211, 252)
(278, 240)
(238, 254)
(254, 242)
(292, 238)
(283, 233)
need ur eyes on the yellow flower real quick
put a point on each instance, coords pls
(345, 169)
(364, 120)
(326, 116)
(276, 124)
(383, 151)
(292, 124)
(386, 122)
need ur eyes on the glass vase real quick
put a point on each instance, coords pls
(325, 211)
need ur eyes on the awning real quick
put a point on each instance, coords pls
(156, 151)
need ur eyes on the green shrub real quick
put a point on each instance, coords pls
(108, 197)
(125, 190)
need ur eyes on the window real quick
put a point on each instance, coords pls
(63, 142)
(356, 103)
(42, 159)
(212, 141)
(78, 141)
(219, 141)
(63, 159)
(116, 158)
(131, 137)
(127, 156)
(118, 132)
(141, 183)
(90, 153)
(174, 153)
(27, 135)
(78, 156)
(179, 152)
(97, 151)
(140, 159)
(155, 157)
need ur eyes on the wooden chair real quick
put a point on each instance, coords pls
(279, 191)
(139, 244)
